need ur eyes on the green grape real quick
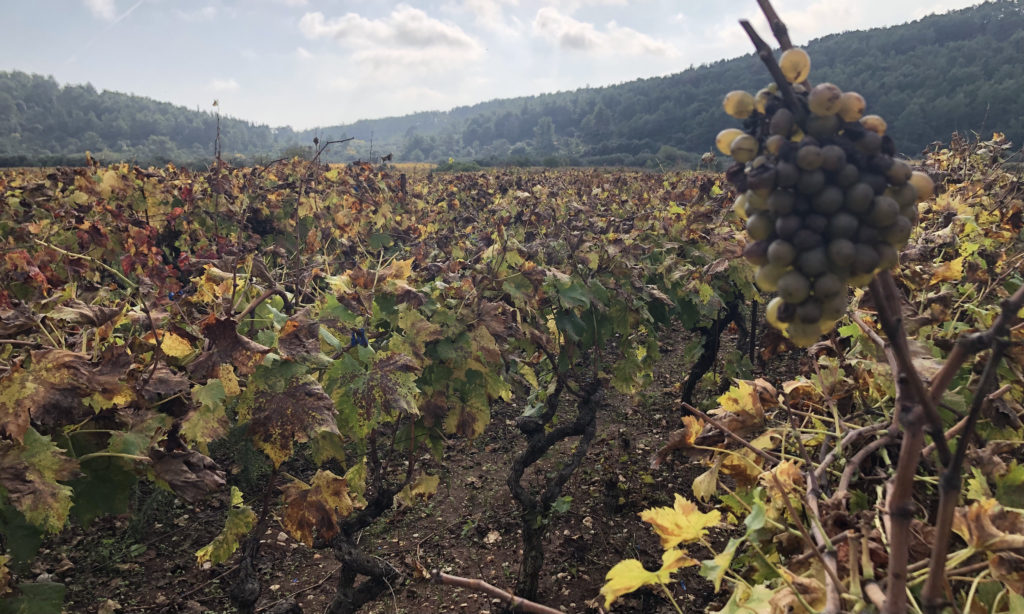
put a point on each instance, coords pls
(795, 65)
(822, 126)
(767, 277)
(786, 174)
(851, 106)
(781, 123)
(812, 262)
(888, 257)
(788, 225)
(760, 226)
(762, 98)
(884, 212)
(898, 233)
(841, 253)
(869, 143)
(771, 313)
(740, 207)
(809, 157)
(923, 184)
(774, 143)
(834, 307)
(725, 138)
(833, 158)
(810, 182)
(805, 239)
(743, 148)
(739, 104)
(905, 194)
(899, 173)
(781, 202)
(866, 260)
(874, 123)
(847, 176)
(781, 253)
(843, 225)
(828, 201)
(824, 99)
(756, 253)
(804, 334)
(827, 286)
(757, 200)
(809, 311)
(793, 287)
(858, 198)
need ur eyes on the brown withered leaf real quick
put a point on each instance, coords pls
(312, 511)
(52, 391)
(987, 525)
(282, 419)
(189, 474)
(500, 320)
(161, 383)
(299, 337)
(77, 312)
(16, 321)
(226, 346)
(30, 473)
(1008, 568)
(679, 439)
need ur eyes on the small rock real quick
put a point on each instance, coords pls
(282, 536)
(44, 577)
(275, 587)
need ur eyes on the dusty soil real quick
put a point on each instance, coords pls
(146, 562)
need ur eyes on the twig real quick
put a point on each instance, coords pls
(855, 463)
(259, 299)
(488, 589)
(778, 27)
(765, 53)
(765, 455)
(301, 590)
(23, 342)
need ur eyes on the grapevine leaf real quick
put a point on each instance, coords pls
(52, 392)
(313, 511)
(706, 484)
(21, 538)
(386, 387)
(1008, 568)
(681, 523)
(35, 598)
(30, 473)
(106, 487)
(680, 439)
(207, 422)
(78, 313)
(630, 575)
(172, 344)
(226, 346)
(748, 600)
(5, 575)
(280, 420)
(240, 520)
(810, 590)
(423, 487)
(188, 473)
(299, 338)
(987, 525)
(948, 271)
(714, 569)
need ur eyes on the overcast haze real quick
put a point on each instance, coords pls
(309, 63)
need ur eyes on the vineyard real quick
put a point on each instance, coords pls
(313, 388)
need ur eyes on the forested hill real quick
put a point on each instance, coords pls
(960, 71)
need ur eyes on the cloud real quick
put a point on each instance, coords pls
(572, 34)
(407, 37)
(488, 14)
(303, 54)
(223, 85)
(104, 9)
(207, 13)
(293, 2)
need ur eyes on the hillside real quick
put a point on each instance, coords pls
(938, 75)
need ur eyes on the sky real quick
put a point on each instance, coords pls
(310, 63)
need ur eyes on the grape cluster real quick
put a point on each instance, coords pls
(826, 203)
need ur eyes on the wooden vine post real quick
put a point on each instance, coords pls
(916, 410)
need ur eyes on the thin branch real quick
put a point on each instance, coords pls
(765, 455)
(488, 589)
(778, 27)
(765, 53)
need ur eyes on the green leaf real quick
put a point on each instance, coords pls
(977, 486)
(752, 600)
(758, 516)
(714, 569)
(240, 520)
(30, 473)
(35, 598)
(1008, 486)
(105, 488)
(21, 538)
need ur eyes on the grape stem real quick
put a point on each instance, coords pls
(765, 53)
(778, 27)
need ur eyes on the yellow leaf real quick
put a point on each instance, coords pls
(629, 575)
(423, 487)
(706, 484)
(226, 374)
(987, 525)
(948, 271)
(171, 344)
(680, 523)
(401, 269)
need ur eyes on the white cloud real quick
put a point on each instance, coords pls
(104, 9)
(406, 37)
(488, 14)
(303, 54)
(223, 85)
(207, 13)
(294, 2)
(570, 33)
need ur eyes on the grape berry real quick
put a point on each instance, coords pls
(826, 203)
